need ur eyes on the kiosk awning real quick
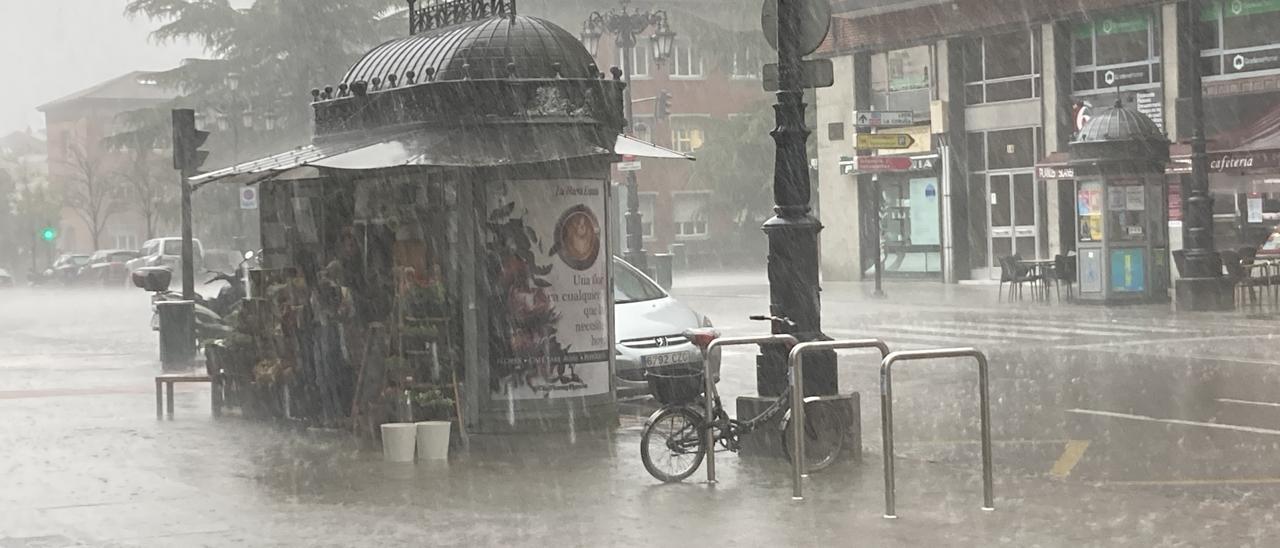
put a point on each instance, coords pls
(471, 148)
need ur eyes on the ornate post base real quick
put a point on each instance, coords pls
(1203, 294)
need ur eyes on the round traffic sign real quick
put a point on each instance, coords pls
(815, 21)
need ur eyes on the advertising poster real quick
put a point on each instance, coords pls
(1128, 270)
(548, 316)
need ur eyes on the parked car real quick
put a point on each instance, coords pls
(166, 252)
(63, 270)
(107, 267)
(6, 279)
(649, 325)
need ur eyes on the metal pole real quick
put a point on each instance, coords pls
(634, 253)
(787, 341)
(188, 264)
(796, 361)
(948, 234)
(793, 230)
(1204, 271)
(877, 206)
(886, 419)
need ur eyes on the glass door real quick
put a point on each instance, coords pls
(1013, 217)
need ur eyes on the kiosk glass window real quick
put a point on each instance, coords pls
(1126, 212)
(1089, 211)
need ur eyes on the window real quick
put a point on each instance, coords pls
(630, 287)
(900, 79)
(689, 210)
(1235, 35)
(686, 133)
(647, 202)
(686, 61)
(125, 241)
(1116, 50)
(1002, 67)
(642, 128)
(639, 59)
(745, 63)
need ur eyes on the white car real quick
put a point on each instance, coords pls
(167, 252)
(649, 325)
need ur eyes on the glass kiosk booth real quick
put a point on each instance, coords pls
(1122, 235)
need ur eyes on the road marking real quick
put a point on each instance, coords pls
(1162, 341)
(992, 333)
(1247, 402)
(1071, 455)
(1111, 328)
(1205, 357)
(1028, 326)
(933, 339)
(1180, 422)
(1193, 482)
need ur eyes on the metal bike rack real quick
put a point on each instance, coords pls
(886, 417)
(796, 360)
(709, 387)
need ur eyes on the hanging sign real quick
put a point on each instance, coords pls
(548, 320)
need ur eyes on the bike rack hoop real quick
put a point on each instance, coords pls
(886, 416)
(709, 386)
(795, 360)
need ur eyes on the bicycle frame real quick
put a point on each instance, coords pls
(711, 396)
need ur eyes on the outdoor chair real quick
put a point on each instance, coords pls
(1243, 285)
(1064, 271)
(1015, 275)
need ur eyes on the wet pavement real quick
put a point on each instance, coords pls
(1111, 427)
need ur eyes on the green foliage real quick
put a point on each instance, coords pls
(736, 163)
(432, 404)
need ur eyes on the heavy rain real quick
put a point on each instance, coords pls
(640, 273)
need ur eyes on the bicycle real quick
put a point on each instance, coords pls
(674, 440)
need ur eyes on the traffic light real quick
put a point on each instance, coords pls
(48, 234)
(662, 104)
(187, 156)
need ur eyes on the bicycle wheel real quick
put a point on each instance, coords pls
(824, 434)
(671, 445)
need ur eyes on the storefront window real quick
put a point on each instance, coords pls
(909, 230)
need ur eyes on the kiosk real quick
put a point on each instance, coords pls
(1122, 236)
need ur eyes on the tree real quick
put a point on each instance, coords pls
(35, 208)
(150, 184)
(90, 189)
(736, 164)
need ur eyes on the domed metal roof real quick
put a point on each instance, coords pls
(533, 45)
(1120, 123)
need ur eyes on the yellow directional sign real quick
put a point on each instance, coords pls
(884, 140)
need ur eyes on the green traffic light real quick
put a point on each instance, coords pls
(49, 234)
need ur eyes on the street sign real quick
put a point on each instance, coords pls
(883, 118)
(814, 73)
(815, 21)
(628, 163)
(248, 198)
(879, 164)
(884, 140)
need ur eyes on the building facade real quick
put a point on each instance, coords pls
(998, 88)
(90, 176)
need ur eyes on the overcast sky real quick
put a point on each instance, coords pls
(51, 48)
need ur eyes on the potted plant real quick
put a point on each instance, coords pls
(433, 433)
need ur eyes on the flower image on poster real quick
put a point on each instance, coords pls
(548, 315)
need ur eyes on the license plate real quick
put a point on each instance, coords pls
(670, 358)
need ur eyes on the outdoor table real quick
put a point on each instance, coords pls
(1041, 268)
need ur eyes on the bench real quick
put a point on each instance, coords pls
(167, 381)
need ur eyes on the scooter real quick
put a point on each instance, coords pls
(209, 313)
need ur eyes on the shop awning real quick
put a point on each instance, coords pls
(471, 148)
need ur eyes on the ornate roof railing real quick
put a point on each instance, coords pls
(436, 14)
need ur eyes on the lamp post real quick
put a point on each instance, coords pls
(236, 113)
(625, 24)
(1201, 286)
(793, 230)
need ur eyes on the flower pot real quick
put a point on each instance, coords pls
(433, 439)
(398, 441)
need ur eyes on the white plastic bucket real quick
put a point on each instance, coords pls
(433, 439)
(398, 441)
